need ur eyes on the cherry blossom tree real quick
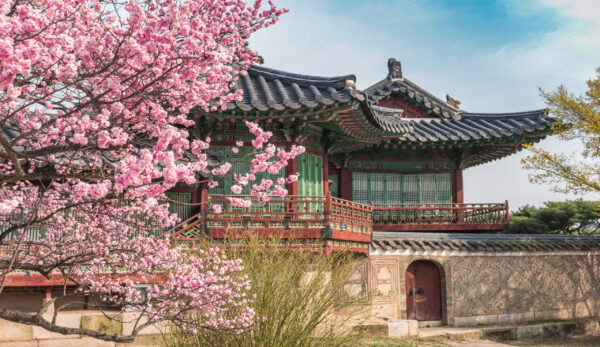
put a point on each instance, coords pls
(95, 98)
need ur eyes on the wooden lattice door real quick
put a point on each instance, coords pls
(423, 291)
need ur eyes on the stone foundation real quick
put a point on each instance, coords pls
(14, 334)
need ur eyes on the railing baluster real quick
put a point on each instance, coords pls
(440, 213)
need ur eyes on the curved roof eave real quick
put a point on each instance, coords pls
(359, 117)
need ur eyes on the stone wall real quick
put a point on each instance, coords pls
(492, 288)
(21, 335)
(509, 288)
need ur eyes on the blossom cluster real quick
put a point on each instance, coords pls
(95, 104)
(270, 160)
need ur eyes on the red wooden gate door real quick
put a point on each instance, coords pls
(423, 291)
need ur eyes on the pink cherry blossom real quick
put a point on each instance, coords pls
(96, 102)
(292, 178)
(236, 189)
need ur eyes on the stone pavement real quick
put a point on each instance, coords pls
(474, 343)
(449, 336)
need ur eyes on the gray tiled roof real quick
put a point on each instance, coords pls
(391, 120)
(354, 115)
(473, 126)
(389, 241)
(267, 89)
(272, 90)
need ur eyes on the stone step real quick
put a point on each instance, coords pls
(430, 323)
(546, 330)
(448, 333)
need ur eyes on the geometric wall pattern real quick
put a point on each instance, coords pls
(508, 284)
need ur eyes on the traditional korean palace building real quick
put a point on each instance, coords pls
(389, 158)
(383, 177)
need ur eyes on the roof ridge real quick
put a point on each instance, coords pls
(428, 94)
(301, 79)
(538, 112)
(382, 235)
(386, 109)
(395, 82)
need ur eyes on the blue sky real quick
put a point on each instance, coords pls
(491, 55)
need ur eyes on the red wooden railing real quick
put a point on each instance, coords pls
(297, 212)
(348, 215)
(490, 213)
(313, 212)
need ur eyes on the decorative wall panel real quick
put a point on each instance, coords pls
(507, 284)
(384, 281)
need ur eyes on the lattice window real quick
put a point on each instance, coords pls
(394, 187)
(427, 187)
(181, 204)
(378, 191)
(381, 188)
(443, 181)
(410, 189)
(360, 187)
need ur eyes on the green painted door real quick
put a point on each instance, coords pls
(310, 167)
(310, 182)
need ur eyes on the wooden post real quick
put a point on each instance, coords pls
(325, 173)
(326, 232)
(458, 195)
(458, 191)
(204, 206)
(291, 169)
(346, 184)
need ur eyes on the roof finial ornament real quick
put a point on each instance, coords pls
(452, 102)
(395, 69)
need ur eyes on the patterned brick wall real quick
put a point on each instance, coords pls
(485, 285)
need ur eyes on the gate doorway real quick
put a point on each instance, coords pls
(423, 291)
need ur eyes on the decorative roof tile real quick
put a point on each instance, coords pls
(390, 241)
(390, 119)
(395, 83)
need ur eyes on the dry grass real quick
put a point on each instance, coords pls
(294, 295)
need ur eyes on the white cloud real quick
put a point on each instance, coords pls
(568, 56)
